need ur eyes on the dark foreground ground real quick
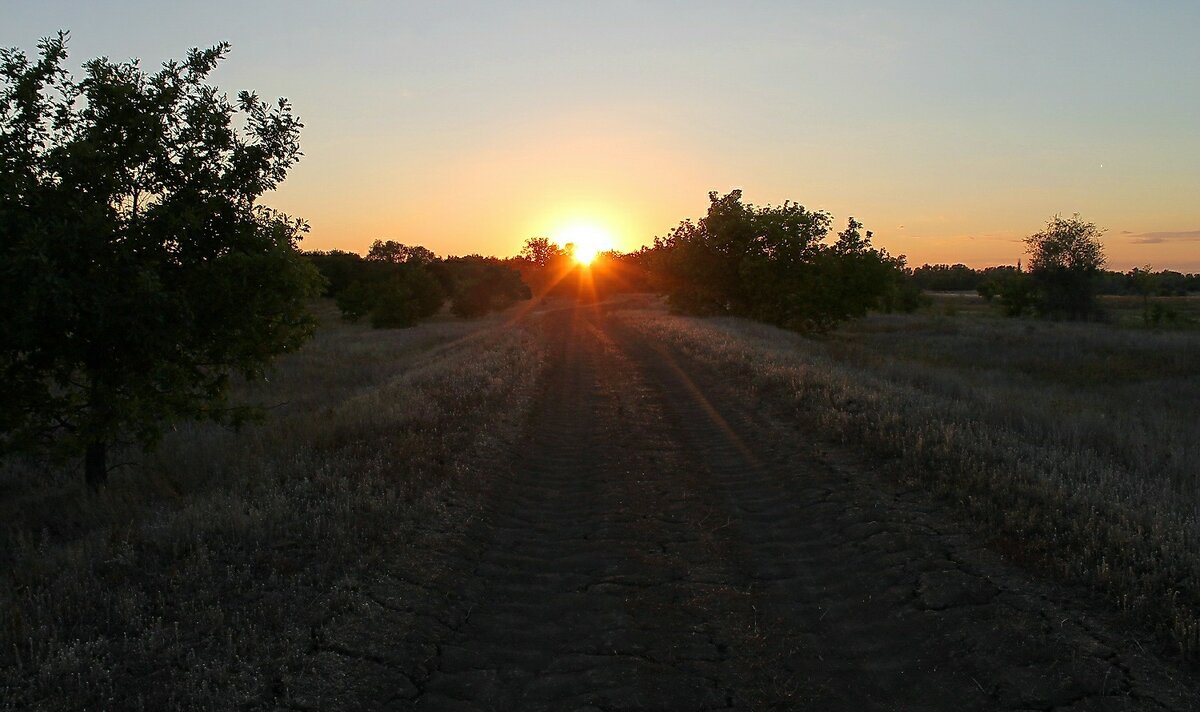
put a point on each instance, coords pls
(657, 542)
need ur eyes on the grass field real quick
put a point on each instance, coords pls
(196, 579)
(1073, 447)
(1170, 313)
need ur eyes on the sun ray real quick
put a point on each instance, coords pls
(584, 240)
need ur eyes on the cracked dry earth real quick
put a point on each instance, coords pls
(658, 542)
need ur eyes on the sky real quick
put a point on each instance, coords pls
(951, 129)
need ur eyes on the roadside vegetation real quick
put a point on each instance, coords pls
(398, 285)
(1071, 446)
(201, 576)
(775, 264)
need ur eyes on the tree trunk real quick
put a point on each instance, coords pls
(95, 465)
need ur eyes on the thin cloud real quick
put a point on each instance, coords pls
(1154, 238)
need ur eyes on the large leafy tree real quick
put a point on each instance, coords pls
(547, 268)
(1065, 262)
(138, 270)
(773, 263)
(541, 252)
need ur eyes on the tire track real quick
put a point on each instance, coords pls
(595, 588)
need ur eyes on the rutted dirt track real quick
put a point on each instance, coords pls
(659, 543)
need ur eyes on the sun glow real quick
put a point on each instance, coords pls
(585, 241)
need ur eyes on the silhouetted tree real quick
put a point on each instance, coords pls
(947, 278)
(397, 253)
(339, 268)
(356, 300)
(541, 252)
(138, 272)
(394, 285)
(1065, 260)
(478, 285)
(1016, 293)
(546, 267)
(1144, 282)
(773, 264)
(409, 295)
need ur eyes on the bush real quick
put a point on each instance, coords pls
(355, 301)
(773, 264)
(1014, 291)
(394, 285)
(480, 285)
(1065, 262)
(413, 294)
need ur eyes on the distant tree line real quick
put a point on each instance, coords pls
(961, 278)
(1065, 276)
(547, 268)
(551, 270)
(778, 264)
(398, 285)
(775, 264)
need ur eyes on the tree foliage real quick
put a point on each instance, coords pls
(479, 285)
(412, 293)
(547, 268)
(542, 253)
(947, 278)
(398, 285)
(137, 268)
(775, 264)
(339, 269)
(1065, 263)
(398, 253)
(1013, 290)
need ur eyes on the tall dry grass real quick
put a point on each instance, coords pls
(198, 578)
(1073, 447)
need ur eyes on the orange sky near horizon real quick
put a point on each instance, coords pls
(951, 130)
(636, 185)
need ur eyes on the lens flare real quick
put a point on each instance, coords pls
(585, 241)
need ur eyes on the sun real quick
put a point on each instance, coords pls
(586, 241)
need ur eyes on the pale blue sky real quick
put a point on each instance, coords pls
(951, 128)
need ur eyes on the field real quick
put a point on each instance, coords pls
(198, 578)
(613, 507)
(1134, 312)
(1072, 445)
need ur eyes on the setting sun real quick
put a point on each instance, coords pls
(586, 241)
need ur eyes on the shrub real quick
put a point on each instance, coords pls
(773, 264)
(1065, 260)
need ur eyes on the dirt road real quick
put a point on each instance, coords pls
(657, 542)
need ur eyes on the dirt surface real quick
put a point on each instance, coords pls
(658, 542)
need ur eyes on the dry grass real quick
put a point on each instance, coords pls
(1073, 447)
(198, 578)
